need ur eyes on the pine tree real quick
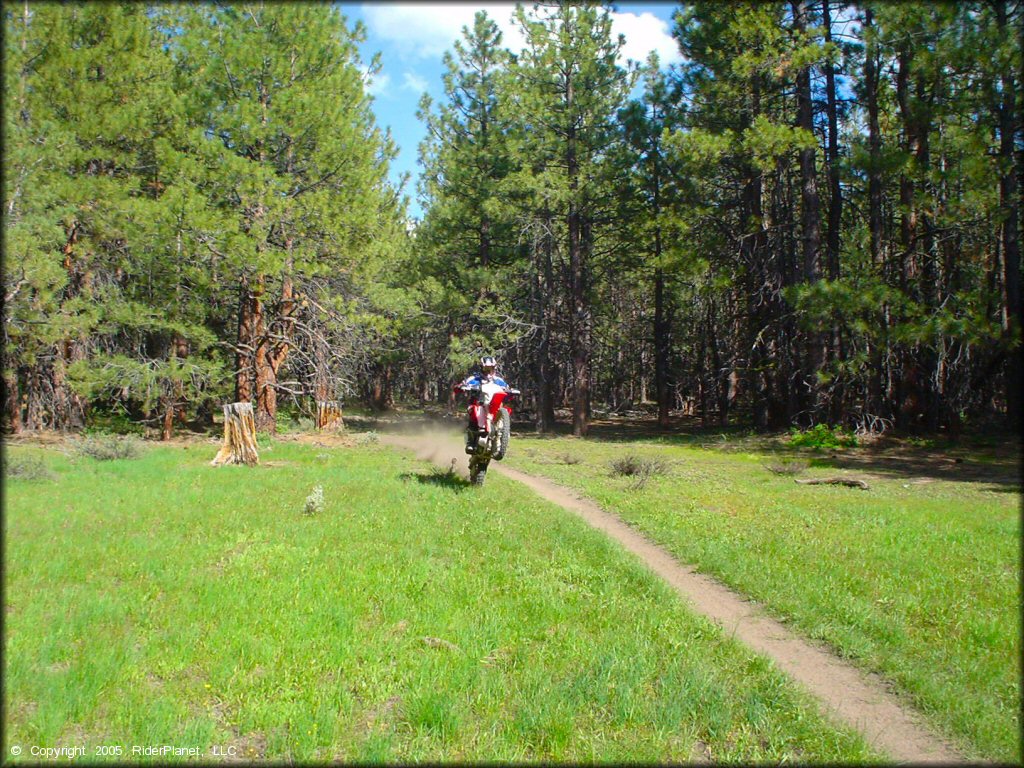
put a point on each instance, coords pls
(98, 91)
(280, 87)
(568, 91)
(468, 241)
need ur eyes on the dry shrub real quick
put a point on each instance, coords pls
(27, 468)
(640, 469)
(108, 447)
(368, 438)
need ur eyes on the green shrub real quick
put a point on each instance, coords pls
(108, 447)
(822, 436)
(27, 468)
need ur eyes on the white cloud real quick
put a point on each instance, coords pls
(645, 33)
(427, 30)
(414, 83)
(377, 85)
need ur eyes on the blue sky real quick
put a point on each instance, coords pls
(412, 37)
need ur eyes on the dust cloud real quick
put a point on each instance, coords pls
(441, 445)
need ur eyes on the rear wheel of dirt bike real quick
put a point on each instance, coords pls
(478, 470)
(502, 432)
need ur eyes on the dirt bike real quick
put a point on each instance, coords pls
(489, 426)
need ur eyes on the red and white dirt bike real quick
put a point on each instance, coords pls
(489, 426)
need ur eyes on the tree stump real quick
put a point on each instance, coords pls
(239, 436)
(328, 415)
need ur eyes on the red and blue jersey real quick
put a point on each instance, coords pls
(476, 379)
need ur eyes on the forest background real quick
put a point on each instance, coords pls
(814, 218)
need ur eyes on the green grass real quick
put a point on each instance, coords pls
(917, 578)
(161, 601)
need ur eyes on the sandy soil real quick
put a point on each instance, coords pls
(850, 695)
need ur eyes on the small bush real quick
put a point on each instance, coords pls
(570, 458)
(822, 436)
(315, 501)
(787, 466)
(638, 468)
(108, 447)
(27, 468)
(368, 438)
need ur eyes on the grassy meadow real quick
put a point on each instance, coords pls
(157, 600)
(917, 578)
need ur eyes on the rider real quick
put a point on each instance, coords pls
(489, 368)
(489, 373)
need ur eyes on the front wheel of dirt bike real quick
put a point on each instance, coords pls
(478, 470)
(502, 432)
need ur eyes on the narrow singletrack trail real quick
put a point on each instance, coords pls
(852, 696)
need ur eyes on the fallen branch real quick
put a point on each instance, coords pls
(851, 482)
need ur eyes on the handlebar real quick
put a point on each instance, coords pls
(476, 388)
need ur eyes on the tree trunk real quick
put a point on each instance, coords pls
(753, 257)
(544, 378)
(34, 409)
(68, 408)
(380, 395)
(239, 445)
(721, 380)
(167, 426)
(579, 351)
(266, 376)
(275, 348)
(835, 202)
(1009, 201)
(875, 147)
(810, 210)
(908, 222)
(661, 340)
(12, 402)
(835, 212)
(321, 373)
(246, 346)
(181, 351)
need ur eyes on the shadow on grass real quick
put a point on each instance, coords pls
(987, 457)
(444, 478)
(950, 464)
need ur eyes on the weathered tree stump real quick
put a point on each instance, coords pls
(239, 436)
(328, 415)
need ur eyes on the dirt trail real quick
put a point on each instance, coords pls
(852, 696)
